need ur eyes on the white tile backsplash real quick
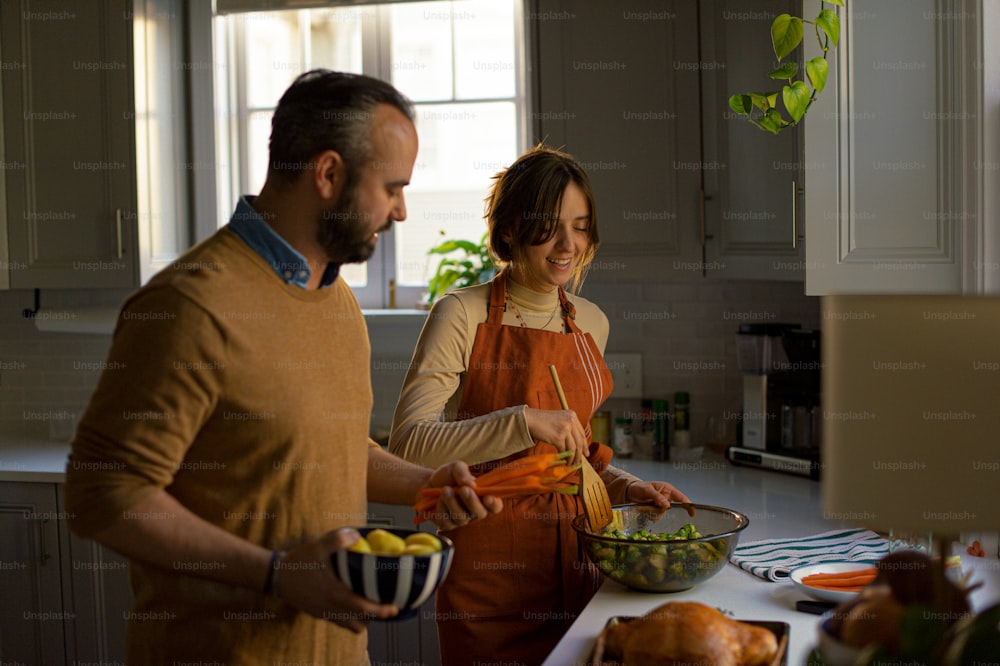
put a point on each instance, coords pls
(685, 331)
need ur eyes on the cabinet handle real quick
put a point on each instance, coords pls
(796, 191)
(118, 231)
(43, 551)
(705, 237)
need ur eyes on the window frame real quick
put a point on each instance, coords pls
(381, 290)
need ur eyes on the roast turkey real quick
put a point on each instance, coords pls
(686, 632)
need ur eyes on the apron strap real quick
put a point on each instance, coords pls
(568, 312)
(498, 304)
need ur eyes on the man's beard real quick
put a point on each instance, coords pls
(344, 232)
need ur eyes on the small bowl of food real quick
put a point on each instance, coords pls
(833, 581)
(390, 565)
(657, 550)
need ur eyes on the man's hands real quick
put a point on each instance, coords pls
(561, 428)
(306, 580)
(455, 509)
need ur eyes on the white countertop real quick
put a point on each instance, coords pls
(35, 460)
(778, 505)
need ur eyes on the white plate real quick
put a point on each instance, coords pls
(798, 574)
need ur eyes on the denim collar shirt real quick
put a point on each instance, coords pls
(285, 259)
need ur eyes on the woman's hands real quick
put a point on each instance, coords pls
(657, 493)
(561, 428)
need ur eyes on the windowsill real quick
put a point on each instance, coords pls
(101, 321)
(398, 312)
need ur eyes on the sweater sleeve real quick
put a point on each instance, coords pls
(425, 429)
(147, 408)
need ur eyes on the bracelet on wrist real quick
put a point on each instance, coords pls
(271, 582)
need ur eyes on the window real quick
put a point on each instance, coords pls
(459, 61)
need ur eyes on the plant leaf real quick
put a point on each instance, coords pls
(786, 34)
(839, 3)
(771, 121)
(796, 99)
(817, 69)
(829, 22)
(764, 101)
(741, 104)
(786, 71)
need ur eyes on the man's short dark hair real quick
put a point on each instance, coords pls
(327, 110)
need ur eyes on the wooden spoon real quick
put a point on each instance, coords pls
(596, 502)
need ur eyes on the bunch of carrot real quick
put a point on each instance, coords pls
(528, 475)
(845, 581)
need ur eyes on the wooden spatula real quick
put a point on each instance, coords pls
(596, 501)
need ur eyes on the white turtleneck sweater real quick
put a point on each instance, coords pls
(424, 429)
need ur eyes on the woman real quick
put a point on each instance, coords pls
(479, 390)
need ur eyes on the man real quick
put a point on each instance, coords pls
(226, 442)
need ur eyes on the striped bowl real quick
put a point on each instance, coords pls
(405, 580)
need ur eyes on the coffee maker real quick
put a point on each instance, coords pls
(780, 419)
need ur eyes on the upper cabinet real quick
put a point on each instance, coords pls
(896, 178)
(638, 92)
(616, 85)
(752, 179)
(95, 169)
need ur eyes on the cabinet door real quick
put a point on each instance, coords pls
(96, 585)
(617, 87)
(884, 203)
(68, 106)
(752, 178)
(412, 641)
(33, 622)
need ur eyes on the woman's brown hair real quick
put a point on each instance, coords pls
(523, 206)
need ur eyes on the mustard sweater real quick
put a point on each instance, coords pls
(249, 400)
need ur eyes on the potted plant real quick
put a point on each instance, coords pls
(463, 264)
(799, 92)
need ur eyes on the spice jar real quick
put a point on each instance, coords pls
(682, 420)
(623, 437)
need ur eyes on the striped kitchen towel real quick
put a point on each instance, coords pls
(773, 559)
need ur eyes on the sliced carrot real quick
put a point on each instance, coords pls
(831, 588)
(840, 575)
(520, 467)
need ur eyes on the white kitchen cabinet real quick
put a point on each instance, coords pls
(638, 92)
(752, 178)
(64, 599)
(616, 85)
(33, 620)
(95, 167)
(893, 147)
(412, 641)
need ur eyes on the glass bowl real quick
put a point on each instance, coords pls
(663, 565)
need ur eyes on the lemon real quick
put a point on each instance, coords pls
(418, 549)
(424, 539)
(385, 543)
(360, 546)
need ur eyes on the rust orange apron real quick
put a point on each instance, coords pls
(520, 578)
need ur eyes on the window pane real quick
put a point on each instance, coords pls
(335, 38)
(457, 161)
(484, 49)
(421, 50)
(258, 134)
(463, 145)
(272, 55)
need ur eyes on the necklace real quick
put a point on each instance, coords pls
(520, 319)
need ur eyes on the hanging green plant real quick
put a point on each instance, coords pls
(761, 108)
(463, 264)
